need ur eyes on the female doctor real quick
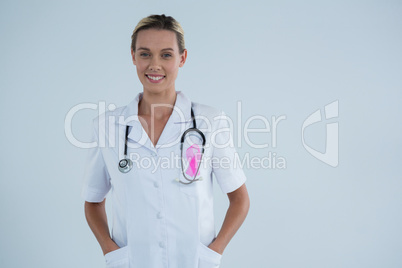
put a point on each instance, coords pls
(162, 215)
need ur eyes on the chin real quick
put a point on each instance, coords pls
(156, 89)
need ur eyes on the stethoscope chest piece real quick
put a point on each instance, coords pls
(125, 165)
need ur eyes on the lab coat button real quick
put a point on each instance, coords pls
(159, 215)
(156, 185)
(161, 244)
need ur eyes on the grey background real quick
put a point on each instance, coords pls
(276, 57)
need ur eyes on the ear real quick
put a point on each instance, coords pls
(133, 56)
(183, 58)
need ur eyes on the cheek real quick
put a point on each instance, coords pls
(173, 68)
(140, 67)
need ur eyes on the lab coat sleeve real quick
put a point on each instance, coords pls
(225, 161)
(96, 179)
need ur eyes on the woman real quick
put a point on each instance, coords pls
(162, 215)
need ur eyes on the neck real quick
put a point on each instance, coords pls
(157, 105)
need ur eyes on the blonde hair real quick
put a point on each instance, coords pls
(160, 22)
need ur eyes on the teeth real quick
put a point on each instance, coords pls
(156, 78)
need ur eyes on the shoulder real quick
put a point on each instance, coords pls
(214, 118)
(206, 110)
(102, 120)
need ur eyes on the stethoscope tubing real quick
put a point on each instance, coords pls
(125, 164)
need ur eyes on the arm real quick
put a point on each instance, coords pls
(236, 213)
(95, 214)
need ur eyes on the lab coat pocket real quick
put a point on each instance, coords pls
(190, 189)
(208, 258)
(192, 170)
(117, 258)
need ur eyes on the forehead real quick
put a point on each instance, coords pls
(156, 39)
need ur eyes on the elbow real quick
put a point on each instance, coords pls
(242, 205)
(246, 204)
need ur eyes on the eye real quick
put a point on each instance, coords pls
(166, 55)
(144, 54)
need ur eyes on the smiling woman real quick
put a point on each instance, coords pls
(157, 58)
(162, 216)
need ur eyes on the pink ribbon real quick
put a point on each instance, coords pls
(193, 157)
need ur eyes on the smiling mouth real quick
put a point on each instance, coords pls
(155, 77)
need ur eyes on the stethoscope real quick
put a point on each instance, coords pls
(125, 164)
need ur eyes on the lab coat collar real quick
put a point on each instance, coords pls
(178, 122)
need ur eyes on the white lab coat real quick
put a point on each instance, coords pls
(158, 222)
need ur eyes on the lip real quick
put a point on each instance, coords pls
(155, 75)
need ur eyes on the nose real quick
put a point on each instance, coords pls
(154, 65)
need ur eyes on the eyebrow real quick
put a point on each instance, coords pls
(147, 49)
